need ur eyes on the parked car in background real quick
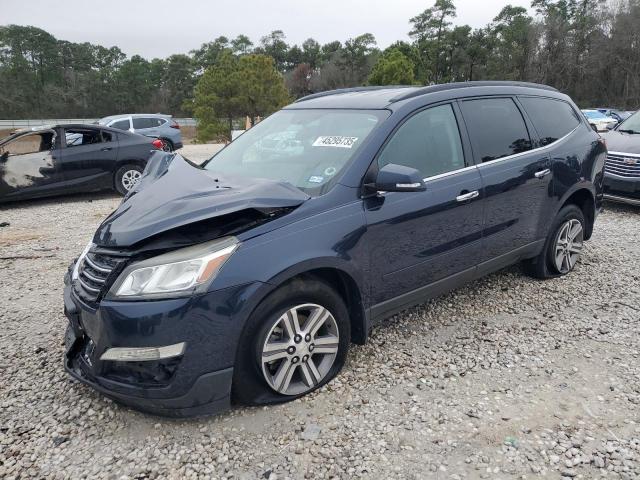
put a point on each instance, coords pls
(58, 159)
(251, 275)
(156, 125)
(622, 169)
(619, 115)
(599, 120)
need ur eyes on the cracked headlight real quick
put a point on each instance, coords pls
(178, 273)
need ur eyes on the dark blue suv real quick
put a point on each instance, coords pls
(246, 279)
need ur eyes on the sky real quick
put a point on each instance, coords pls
(159, 28)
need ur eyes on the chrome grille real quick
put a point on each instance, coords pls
(623, 165)
(95, 275)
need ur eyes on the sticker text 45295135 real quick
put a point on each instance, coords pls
(335, 141)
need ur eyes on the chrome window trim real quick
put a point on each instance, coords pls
(509, 157)
(622, 154)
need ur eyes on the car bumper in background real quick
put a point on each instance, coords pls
(192, 380)
(622, 189)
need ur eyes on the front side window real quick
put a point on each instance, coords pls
(30, 143)
(553, 119)
(121, 124)
(306, 148)
(496, 128)
(76, 137)
(429, 142)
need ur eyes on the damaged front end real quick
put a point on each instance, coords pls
(146, 327)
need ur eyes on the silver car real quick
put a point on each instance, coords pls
(154, 125)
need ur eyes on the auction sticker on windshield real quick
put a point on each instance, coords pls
(335, 141)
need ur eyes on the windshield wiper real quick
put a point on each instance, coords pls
(632, 132)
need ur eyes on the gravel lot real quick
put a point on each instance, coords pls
(507, 377)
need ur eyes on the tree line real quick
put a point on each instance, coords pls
(589, 49)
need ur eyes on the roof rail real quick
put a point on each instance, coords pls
(349, 90)
(452, 86)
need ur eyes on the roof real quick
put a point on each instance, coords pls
(136, 115)
(382, 97)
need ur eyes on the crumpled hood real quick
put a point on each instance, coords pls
(622, 142)
(173, 193)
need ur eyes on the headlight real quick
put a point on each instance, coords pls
(183, 272)
(76, 267)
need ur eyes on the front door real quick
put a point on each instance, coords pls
(421, 238)
(29, 165)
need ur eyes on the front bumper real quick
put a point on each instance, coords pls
(622, 189)
(196, 383)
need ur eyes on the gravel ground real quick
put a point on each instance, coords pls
(507, 377)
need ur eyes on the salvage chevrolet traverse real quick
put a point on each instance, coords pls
(247, 278)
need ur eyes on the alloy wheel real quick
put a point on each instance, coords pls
(300, 349)
(569, 245)
(130, 178)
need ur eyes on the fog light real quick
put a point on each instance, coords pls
(141, 354)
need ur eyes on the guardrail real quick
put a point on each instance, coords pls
(12, 124)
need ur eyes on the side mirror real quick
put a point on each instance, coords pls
(398, 178)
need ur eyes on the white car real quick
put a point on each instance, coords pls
(598, 119)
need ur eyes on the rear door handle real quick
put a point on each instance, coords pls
(543, 173)
(106, 149)
(468, 196)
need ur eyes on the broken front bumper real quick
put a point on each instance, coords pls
(195, 382)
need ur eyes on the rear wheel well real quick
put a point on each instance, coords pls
(348, 290)
(584, 200)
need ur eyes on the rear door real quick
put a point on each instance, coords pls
(89, 156)
(420, 238)
(148, 126)
(516, 176)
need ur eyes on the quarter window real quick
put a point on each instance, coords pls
(429, 142)
(553, 119)
(496, 128)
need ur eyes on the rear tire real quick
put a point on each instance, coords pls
(562, 247)
(167, 145)
(127, 177)
(278, 362)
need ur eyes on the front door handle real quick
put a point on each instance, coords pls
(543, 173)
(106, 149)
(467, 196)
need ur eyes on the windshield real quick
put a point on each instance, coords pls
(631, 124)
(307, 148)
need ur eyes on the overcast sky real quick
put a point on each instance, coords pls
(159, 28)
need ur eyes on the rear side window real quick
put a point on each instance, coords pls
(77, 137)
(147, 122)
(121, 124)
(496, 127)
(429, 142)
(553, 119)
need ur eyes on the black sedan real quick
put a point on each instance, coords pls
(60, 159)
(622, 168)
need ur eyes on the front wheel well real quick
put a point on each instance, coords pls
(584, 200)
(348, 289)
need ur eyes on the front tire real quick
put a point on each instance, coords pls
(563, 246)
(127, 177)
(295, 342)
